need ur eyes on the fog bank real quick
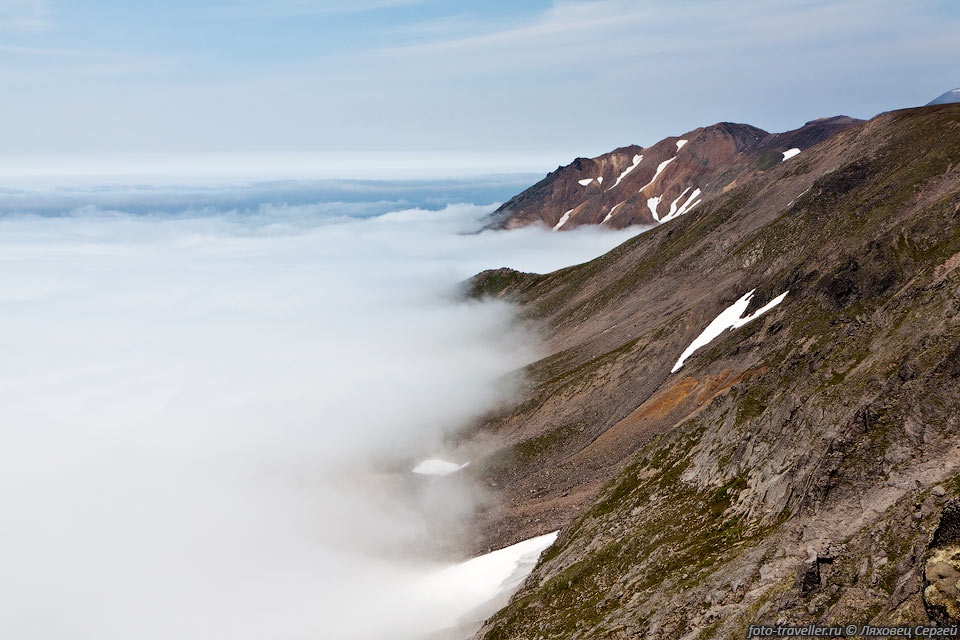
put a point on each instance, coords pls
(198, 414)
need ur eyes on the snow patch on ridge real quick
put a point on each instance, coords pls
(673, 205)
(437, 467)
(729, 318)
(613, 210)
(798, 195)
(680, 144)
(660, 168)
(636, 161)
(789, 153)
(690, 203)
(652, 204)
(585, 181)
(563, 220)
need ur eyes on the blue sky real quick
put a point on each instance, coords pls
(532, 79)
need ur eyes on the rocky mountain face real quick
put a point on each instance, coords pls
(634, 185)
(946, 98)
(750, 413)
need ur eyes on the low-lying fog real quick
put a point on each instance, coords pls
(201, 412)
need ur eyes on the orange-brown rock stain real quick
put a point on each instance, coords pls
(660, 412)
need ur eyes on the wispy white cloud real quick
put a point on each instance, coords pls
(589, 31)
(24, 15)
(556, 24)
(40, 51)
(293, 8)
(461, 80)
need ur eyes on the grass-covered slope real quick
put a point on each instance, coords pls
(795, 469)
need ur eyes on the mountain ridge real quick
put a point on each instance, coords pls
(796, 469)
(636, 185)
(948, 97)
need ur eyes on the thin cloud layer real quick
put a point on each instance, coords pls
(208, 419)
(566, 77)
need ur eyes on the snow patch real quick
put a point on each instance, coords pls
(636, 162)
(563, 220)
(612, 211)
(729, 318)
(464, 587)
(600, 180)
(585, 182)
(690, 203)
(789, 153)
(660, 168)
(652, 204)
(437, 467)
(673, 205)
(680, 144)
(798, 195)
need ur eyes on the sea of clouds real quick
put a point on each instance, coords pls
(208, 415)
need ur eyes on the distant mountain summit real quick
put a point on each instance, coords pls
(649, 186)
(950, 96)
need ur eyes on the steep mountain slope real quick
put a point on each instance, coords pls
(946, 98)
(633, 185)
(799, 467)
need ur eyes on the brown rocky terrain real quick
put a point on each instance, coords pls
(802, 467)
(634, 185)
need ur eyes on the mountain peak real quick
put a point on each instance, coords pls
(649, 186)
(946, 98)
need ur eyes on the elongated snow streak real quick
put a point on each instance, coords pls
(660, 168)
(730, 318)
(687, 207)
(798, 195)
(436, 467)
(691, 202)
(680, 144)
(563, 220)
(613, 210)
(789, 153)
(652, 205)
(585, 181)
(464, 587)
(673, 205)
(636, 162)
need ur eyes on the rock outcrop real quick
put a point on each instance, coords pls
(941, 575)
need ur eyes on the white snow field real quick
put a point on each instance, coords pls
(463, 589)
(690, 203)
(563, 220)
(636, 162)
(437, 467)
(652, 204)
(660, 168)
(729, 318)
